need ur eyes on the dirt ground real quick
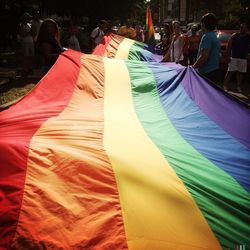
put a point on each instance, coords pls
(13, 86)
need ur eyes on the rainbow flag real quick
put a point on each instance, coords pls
(150, 33)
(124, 154)
(119, 47)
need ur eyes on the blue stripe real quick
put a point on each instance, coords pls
(198, 130)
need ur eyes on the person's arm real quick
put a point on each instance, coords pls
(166, 57)
(202, 58)
(204, 47)
(180, 49)
(229, 45)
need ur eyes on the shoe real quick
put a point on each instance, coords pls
(225, 88)
(239, 89)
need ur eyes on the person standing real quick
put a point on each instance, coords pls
(98, 33)
(166, 38)
(27, 44)
(237, 51)
(48, 43)
(175, 51)
(185, 49)
(139, 33)
(127, 30)
(207, 62)
(73, 42)
(36, 24)
(193, 45)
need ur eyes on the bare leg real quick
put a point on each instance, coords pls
(227, 79)
(239, 77)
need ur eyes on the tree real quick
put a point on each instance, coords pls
(235, 11)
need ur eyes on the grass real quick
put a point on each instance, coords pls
(16, 87)
(15, 93)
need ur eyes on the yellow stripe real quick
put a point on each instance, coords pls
(123, 49)
(158, 211)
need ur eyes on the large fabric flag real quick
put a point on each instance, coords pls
(150, 33)
(123, 154)
(119, 47)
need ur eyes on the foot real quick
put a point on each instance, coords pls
(225, 88)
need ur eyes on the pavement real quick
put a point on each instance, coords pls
(10, 79)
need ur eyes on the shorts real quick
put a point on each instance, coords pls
(237, 64)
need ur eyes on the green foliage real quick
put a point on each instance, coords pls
(137, 11)
(234, 13)
(230, 22)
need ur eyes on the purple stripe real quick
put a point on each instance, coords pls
(229, 114)
(157, 58)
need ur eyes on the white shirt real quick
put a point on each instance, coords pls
(26, 36)
(176, 49)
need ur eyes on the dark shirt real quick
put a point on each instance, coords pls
(240, 46)
(56, 50)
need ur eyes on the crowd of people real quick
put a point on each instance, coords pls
(199, 47)
(40, 41)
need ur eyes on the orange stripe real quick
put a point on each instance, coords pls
(71, 199)
(113, 46)
(17, 126)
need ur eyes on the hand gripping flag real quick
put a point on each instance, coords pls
(124, 154)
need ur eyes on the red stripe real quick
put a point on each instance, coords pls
(109, 47)
(48, 99)
(101, 48)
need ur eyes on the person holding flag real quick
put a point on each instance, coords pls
(175, 51)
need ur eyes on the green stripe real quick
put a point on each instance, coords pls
(135, 51)
(222, 201)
